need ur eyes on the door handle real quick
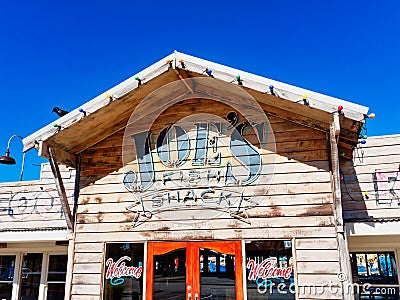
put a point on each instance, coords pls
(189, 296)
(196, 296)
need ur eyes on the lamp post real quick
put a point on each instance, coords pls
(8, 160)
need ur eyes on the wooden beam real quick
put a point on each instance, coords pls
(66, 157)
(183, 80)
(70, 266)
(77, 185)
(344, 256)
(60, 188)
(104, 122)
(336, 123)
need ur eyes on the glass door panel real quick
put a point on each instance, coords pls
(166, 271)
(217, 275)
(194, 270)
(169, 275)
(56, 276)
(31, 272)
(7, 266)
(5, 290)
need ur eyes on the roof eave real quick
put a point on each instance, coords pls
(97, 103)
(288, 92)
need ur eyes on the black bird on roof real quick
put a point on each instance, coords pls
(60, 112)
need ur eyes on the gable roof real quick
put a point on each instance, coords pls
(101, 108)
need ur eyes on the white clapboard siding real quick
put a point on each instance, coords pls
(297, 203)
(35, 205)
(367, 191)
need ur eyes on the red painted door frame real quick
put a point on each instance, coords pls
(193, 264)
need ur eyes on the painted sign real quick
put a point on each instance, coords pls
(202, 165)
(23, 204)
(117, 271)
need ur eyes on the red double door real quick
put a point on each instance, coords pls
(194, 270)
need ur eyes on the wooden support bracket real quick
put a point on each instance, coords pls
(67, 158)
(60, 188)
(344, 256)
(336, 122)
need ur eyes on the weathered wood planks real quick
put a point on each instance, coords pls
(370, 183)
(297, 204)
(35, 204)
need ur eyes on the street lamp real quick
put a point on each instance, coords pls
(8, 160)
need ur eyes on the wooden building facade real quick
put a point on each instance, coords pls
(199, 181)
(34, 237)
(371, 197)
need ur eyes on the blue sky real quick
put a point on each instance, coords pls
(66, 52)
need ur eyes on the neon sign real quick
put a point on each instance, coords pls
(116, 271)
(267, 269)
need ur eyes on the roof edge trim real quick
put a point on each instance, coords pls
(285, 91)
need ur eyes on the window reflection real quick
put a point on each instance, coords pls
(169, 280)
(56, 277)
(274, 258)
(374, 267)
(124, 286)
(7, 266)
(31, 272)
(217, 275)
